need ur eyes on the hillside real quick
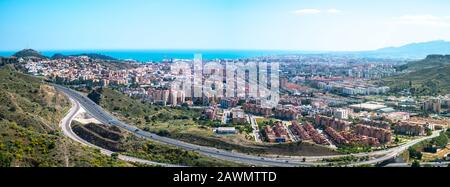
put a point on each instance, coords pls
(104, 60)
(94, 56)
(430, 76)
(29, 53)
(431, 61)
(30, 112)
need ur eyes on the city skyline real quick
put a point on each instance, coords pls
(235, 25)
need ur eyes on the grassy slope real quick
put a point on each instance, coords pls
(173, 120)
(29, 116)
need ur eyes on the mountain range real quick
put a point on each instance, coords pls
(410, 51)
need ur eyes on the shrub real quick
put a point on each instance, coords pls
(164, 133)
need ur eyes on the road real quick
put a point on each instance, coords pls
(380, 156)
(225, 115)
(106, 118)
(433, 164)
(101, 115)
(65, 125)
(294, 138)
(395, 152)
(255, 128)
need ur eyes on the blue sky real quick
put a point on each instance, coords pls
(334, 25)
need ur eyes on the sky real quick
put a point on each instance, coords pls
(307, 25)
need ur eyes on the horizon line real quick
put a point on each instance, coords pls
(220, 49)
(183, 49)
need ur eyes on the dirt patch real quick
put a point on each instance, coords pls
(100, 135)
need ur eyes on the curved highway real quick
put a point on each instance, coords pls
(101, 115)
(106, 118)
(65, 125)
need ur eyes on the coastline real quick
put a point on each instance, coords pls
(160, 55)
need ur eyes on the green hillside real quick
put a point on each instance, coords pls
(29, 53)
(430, 76)
(30, 112)
(432, 61)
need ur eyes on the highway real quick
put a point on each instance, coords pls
(283, 161)
(380, 156)
(65, 125)
(423, 164)
(101, 115)
(395, 152)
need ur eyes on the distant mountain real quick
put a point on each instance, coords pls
(90, 55)
(58, 56)
(430, 76)
(411, 51)
(29, 53)
(97, 56)
(107, 61)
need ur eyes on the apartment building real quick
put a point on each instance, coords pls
(336, 124)
(298, 130)
(315, 135)
(277, 134)
(257, 109)
(432, 105)
(383, 135)
(410, 129)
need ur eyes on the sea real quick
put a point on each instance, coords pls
(160, 55)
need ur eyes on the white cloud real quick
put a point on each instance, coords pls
(334, 11)
(424, 20)
(307, 11)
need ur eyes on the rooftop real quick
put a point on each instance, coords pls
(369, 106)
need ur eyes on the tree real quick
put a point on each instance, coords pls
(441, 140)
(164, 133)
(12, 109)
(413, 153)
(5, 160)
(416, 164)
(148, 119)
(95, 96)
(115, 156)
(185, 106)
